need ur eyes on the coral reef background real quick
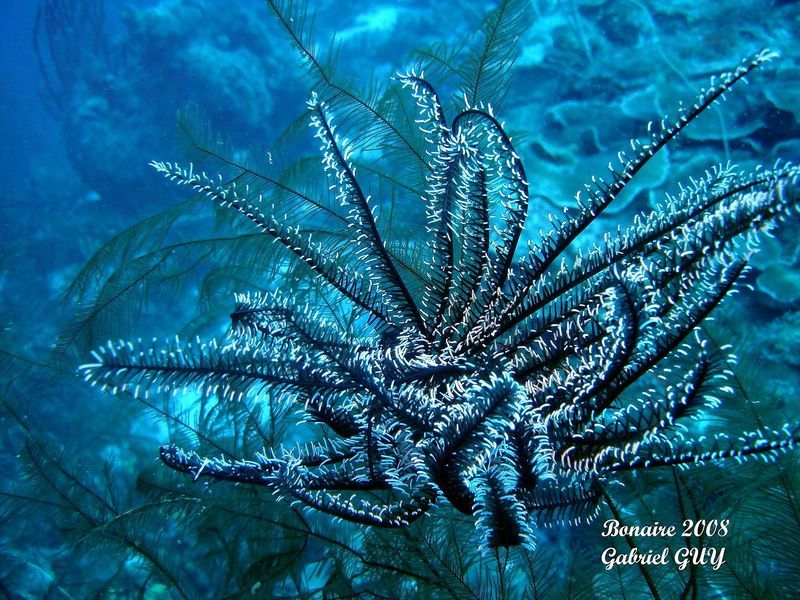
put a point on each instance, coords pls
(90, 102)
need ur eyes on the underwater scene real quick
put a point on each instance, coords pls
(399, 299)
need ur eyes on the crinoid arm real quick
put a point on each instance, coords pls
(514, 385)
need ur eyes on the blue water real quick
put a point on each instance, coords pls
(74, 173)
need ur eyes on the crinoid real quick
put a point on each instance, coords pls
(512, 384)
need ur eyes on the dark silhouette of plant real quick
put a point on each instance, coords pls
(69, 39)
(515, 385)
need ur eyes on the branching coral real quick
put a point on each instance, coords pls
(512, 384)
